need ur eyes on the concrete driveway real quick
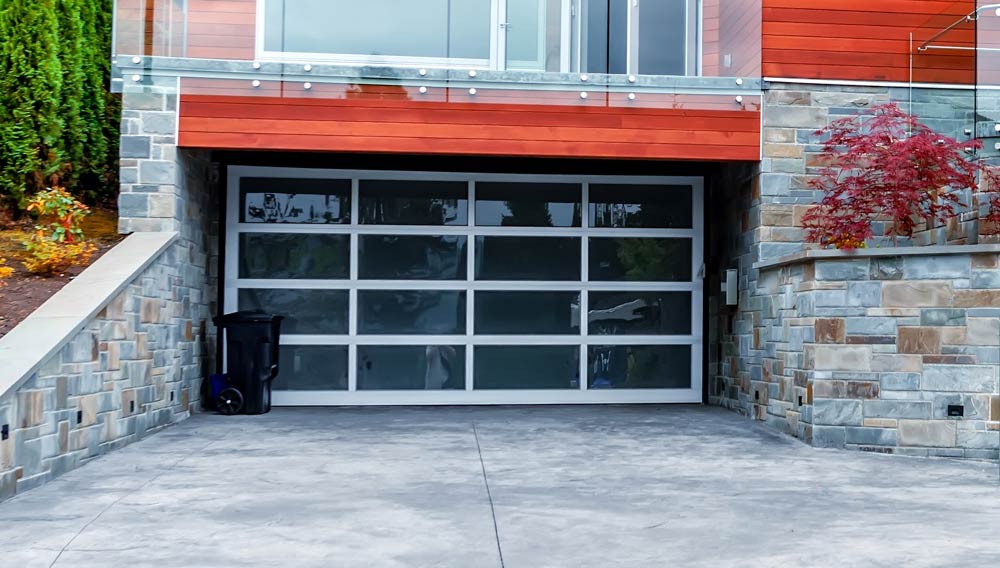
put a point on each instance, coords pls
(516, 487)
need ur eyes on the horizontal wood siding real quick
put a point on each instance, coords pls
(864, 40)
(398, 125)
(221, 29)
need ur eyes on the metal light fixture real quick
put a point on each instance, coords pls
(739, 99)
(472, 91)
(631, 96)
(255, 83)
(422, 72)
(307, 86)
(256, 64)
(307, 68)
(136, 60)
(472, 73)
(631, 78)
(423, 90)
(137, 78)
(583, 77)
(583, 95)
(739, 81)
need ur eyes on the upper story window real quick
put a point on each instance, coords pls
(652, 37)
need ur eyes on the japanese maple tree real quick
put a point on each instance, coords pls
(889, 166)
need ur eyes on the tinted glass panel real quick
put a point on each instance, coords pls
(411, 311)
(640, 260)
(527, 258)
(662, 27)
(640, 207)
(501, 313)
(273, 255)
(305, 311)
(528, 204)
(411, 367)
(527, 367)
(412, 257)
(410, 28)
(413, 203)
(639, 367)
(277, 200)
(634, 313)
(312, 367)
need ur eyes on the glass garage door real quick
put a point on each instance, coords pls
(426, 288)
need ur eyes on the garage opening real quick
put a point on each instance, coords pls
(407, 287)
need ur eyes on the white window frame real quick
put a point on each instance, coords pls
(583, 395)
(571, 56)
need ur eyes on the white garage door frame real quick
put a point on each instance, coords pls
(470, 396)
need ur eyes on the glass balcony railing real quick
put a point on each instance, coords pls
(672, 53)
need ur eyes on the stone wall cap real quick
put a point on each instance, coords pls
(49, 328)
(832, 254)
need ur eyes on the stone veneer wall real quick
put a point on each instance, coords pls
(763, 352)
(155, 342)
(165, 188)
(133, 369)
(868, 353)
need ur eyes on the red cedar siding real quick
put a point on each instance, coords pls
(396, 124)
(221, 29)
(864, 40)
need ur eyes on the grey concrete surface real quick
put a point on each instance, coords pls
(563, 487)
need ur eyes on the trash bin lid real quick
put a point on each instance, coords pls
(248, 317)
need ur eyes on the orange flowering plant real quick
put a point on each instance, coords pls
(58, 240)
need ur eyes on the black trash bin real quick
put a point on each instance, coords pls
(251, 359)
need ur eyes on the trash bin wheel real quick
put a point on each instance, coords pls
(229, 402)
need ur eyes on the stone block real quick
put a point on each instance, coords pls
(899, 381)
(977, 298)
(886, 269)
(829, 330)
(134, 147)
(924, 340)
(854, 269)
(871, 436)
(829, 436)
(133, 205)
(983, 331)
(834, 412)
(906, 294)
(842, 358)
(157, 172)
(158, 123)
(959, 378)
(795, 116)
(871, 326)
(880, 423)
(942, 317)
(982, 440)
(897, 409)
(897, 363)
(986, 279)
(928, 433)
(864, 294)
(937, 267)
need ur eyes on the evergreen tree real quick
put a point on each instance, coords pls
(93, 173)
(30, 82)
(71, 95)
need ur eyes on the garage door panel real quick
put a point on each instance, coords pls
(448, 288)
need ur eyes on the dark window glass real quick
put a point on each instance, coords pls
(412, 257)
(404, 28)
(312, 367)
(305, 311)
(502, 313)
(281, 200)
(527, 367)
(639, 367)
(427, 312)
(411, 367)
(528, 258)
(639, 313)
(640, 260)
(641, 206)
(528, 204)
(413, 202)
(662, 32)
(273, 255)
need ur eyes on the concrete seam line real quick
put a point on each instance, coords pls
(171, 467)
(489, 494)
